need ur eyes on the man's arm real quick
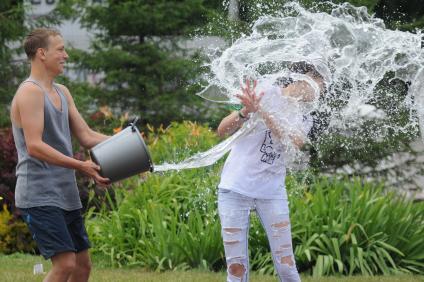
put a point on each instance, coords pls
(30, 103)
(87, 137)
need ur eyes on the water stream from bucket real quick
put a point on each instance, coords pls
(352, 50)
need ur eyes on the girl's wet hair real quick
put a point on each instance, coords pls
(283, 81)
(303, 68)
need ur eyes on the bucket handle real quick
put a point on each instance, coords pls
(133, 124)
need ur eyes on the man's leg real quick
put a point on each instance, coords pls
(49, 229)
(80, 240)
(63, 264)
(83, 267)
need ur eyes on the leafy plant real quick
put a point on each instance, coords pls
(339, 226)
(8, 161)
(168, 222)
(350, 226)
(14, 234)
(179, 141)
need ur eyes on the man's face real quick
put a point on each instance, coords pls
(55, 55)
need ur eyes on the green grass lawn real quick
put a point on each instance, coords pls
(16, 268)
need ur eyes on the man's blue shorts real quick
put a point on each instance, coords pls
(56, 230)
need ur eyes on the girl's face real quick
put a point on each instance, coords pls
(302, 90)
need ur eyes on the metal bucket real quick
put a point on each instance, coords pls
(123, 155)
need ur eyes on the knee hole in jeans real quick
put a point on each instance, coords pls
(284, 250)
(288, 260)
(236, 269)
(231, 242)
(279, 228)
(231, 230)
(280, 225)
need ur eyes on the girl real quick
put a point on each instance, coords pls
(253, 177)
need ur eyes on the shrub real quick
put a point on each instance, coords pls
(167, 222)
(158, 222)
(14, 234)
(8, 161)
(178, 141)
(170, 221)
(339, 227)
(350, 226)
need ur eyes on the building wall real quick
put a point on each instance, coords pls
(74, 35)
(77, 37)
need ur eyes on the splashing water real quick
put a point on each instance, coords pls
(352, 50)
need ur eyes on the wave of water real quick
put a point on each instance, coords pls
(358, 57)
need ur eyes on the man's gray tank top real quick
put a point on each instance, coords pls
(40, 183)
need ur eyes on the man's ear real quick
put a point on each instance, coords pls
(42, 53)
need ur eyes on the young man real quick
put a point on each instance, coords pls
(254, 174)
(43, 116)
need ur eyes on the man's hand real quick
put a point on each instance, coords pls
(248, 98)
(92, 170)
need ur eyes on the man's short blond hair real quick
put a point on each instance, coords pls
(38, 38)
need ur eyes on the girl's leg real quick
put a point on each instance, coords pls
(274, 215)
(234, 211)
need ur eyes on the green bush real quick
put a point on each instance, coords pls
(339, 227)
(170, 221)
(167, 222)
(353, 227)
(14, 235)
(179, 141)
(8, 161)
(158, 223)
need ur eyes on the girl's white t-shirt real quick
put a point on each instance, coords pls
(255, 166)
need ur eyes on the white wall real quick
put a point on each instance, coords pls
(72, 32)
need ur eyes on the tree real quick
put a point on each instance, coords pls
(139, 56)
(12, 30)
(358, 147)
(403, 14)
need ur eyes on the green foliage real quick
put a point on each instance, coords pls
(374, 140)
(138, 55)
(158, 225)
(348, 226)
(370, 4)
(179, 141)
(170, 221)
(402, 14)
(172, 209)
(14, 234)
(11, 30)
(8, 161)
(339, 227)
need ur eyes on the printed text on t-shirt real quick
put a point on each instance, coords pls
(269, 155)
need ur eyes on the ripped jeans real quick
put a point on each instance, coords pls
(234, 212)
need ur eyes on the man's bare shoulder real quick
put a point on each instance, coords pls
(66, 92)
(64, 89)
(29, 93)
